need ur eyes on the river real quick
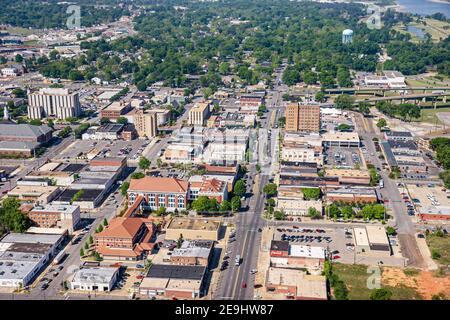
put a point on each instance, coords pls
(425, 7)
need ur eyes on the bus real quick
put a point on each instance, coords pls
(59, 257)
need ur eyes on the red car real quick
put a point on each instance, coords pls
(139, 277)
(336, 257)
(244, 285)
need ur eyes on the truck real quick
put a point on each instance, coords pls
(237, 260)
(59, 257)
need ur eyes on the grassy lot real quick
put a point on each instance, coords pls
(441, 245)
(438, 30)
(429, 115)
(355, 278)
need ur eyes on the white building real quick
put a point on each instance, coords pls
(53, 102)
(94, 279)
(10, 72)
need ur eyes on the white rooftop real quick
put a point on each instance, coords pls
(307, 251)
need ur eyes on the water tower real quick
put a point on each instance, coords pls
(347, 36)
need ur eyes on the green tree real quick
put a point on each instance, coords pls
(270, 189)
(18, 58)
(144, 163)
(105, 222)
(364, 108)
(344, 101)
(124, 188)
(380, 294)
(104, 121)
(86, 246)
(81, 252)
(235, 203)
(279, 215)
(390, 230)
(381, 123)
(161, 211)
(240, 188)
(225, 205)
(36, 122)
(12, 218)
(313, 213)
(122, 120)
(320, 96)
(136, 175)
(311, 193)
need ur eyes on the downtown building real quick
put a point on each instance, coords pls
(53, 102)
(304, 118)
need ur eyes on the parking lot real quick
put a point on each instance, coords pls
(342, 157)
(79, 149)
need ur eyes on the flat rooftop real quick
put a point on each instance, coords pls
(176, 272)
(31, 238)
(194, 224)
(87, 195)
(95, 275)
(307, 251)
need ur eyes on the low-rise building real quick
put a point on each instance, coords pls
(59, 216)
(125, 238)
(199, 113)
(36, 194)
(115, 110)
(352, 195)
(284, 255)
(193, 229)
(296, 284)
(350, 176)
(341, 139)
(170, 193)
(371, 240)
(104, 132)
(100, 279)
(298, 207)
(193, 253)
(174, 281)
(211, 188)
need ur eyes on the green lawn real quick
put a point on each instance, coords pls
(441, 245)
(429, 115)
(355, 278)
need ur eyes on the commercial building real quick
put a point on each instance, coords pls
(87, 199)
(398, 135)
(341, 139)
(199, 113)
(296, 284)
(174, 281)
(23, 255)
(283, 255)
(193, 253)
(304, 118)
(170, 193)
(125, 238)
(193, 229)
(94, 279)
(301, 152)
(146, 123)
(389, 79)
(298, 207)
(352, 195)
(37, 194)
(116, 110)
(22, 138)
(59, 216)
(371, 240)
(212, 188)
(103, 132)
(53, 102)
(349, 176)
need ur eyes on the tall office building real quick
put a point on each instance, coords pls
(53, 102)
(145, 123)
(198, 114)
(304, 118)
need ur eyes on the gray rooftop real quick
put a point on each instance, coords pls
(23, 130)
(18, 145)
(94, 275)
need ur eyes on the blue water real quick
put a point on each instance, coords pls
(425, 7)
(416, 31)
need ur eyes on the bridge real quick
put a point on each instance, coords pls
(407, 97)
(383, 90)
